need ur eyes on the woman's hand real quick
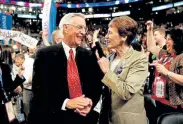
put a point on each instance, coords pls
(18, 90)
(104, 64)
(161, 68)
(149, 25)
(95, 35)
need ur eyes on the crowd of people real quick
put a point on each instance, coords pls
(124, 75)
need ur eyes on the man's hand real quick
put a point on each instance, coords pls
(86, 110)
(79, 102)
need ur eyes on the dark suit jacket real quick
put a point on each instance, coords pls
(50, 87)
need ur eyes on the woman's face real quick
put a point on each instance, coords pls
(113, 38)
(169, 44)
(89, 37)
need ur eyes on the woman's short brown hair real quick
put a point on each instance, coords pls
(126, 27)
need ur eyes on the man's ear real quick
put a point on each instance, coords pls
(65, 27)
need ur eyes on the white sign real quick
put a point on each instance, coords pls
(46, 15)
(19, 37)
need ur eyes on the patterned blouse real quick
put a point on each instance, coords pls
(174, 91)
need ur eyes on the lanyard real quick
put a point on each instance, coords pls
(1, 82)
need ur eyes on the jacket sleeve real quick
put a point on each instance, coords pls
(37, 105)
(8, 84)
(95, 89)
(132, 84)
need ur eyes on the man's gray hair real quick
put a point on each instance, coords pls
(67, 19)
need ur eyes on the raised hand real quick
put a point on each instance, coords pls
(149, 25)
(104, 64)
(95, 35)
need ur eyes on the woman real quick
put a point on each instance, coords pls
(7, 84)
(125, 73)
(169, 69)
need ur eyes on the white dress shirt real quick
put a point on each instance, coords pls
(66, 50)
(27, 73)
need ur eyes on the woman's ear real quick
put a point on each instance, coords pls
(123, 38)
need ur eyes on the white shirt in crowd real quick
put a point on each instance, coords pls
(28, 70)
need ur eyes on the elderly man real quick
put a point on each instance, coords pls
(67, 78)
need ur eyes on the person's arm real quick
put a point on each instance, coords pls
(132, 84)
(151, 45)
(45, 41)
(10, 85)
(177, 78)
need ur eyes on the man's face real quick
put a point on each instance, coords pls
(157, 36)
(75, 32)
(59, 38)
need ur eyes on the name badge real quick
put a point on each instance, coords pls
(10, 111)
(159, 88)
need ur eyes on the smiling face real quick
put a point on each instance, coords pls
(121, 32)
(74, 33)
(169, 44)
(113, 38)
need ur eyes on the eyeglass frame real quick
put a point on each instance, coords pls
(79, 27)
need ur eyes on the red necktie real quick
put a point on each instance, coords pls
(73, 77)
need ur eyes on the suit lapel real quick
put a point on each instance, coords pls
(122, 62)
(62, 65)
(79, 60)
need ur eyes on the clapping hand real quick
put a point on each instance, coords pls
(86, 109)
(81, 105)
(103, 63)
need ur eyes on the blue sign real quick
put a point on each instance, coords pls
(5, 22)
(52, 23)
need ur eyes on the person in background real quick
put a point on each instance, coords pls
(57, 37)
(125, 74)
(159, 37)
(7, 84)
(169, 69)
(27, 85)
(67, 79)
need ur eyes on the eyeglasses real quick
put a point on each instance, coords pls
(80, 27)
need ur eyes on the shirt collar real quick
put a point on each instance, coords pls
(67, 48)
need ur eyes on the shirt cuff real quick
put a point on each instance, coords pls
(64, 105)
